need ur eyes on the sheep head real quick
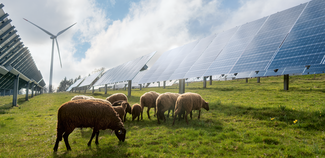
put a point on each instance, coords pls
(120, 134)
(205, 105)
(128, 108)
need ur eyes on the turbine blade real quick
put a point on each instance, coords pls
(40, 28)
(65, 30)
(57, 44)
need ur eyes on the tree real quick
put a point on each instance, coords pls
(65, 84)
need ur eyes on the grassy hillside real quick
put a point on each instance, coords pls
(245, 120)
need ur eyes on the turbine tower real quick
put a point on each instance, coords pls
(53, 37)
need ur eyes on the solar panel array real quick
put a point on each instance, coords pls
(124, 72)
(90, 79)
(76, 84)
(288, 42)
(15, 58)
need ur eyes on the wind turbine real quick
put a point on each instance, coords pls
(53, 37)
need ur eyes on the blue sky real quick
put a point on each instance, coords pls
(111, 32)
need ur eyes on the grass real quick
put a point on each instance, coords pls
(245, 120)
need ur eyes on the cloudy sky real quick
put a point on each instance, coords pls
(111, 32)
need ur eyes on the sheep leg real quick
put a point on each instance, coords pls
(58, 139)
(199, 114)
(191, 115)
(141, 113)
(155, 114)
(174, 119)
(186, 117)
(97, 138)
(138, 118)
(92, 136)
(158, 116)
(124, 117)
(148, 113)
(66, 141)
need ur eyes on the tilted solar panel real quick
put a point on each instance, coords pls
(210, 54)
(154, 67)
(75, 84)
(175, 61)
(191, 58)
(236, 46)
(305, 45)
(90, 79)
(266, 43)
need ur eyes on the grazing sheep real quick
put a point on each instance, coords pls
(102, 100)
(81, 97)
(116, 97)
(136, 110)
(148, 100)
(165, 102)
(188, 102)
(126, 106)
(87, 113)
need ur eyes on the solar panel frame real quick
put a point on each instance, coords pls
(90, 79)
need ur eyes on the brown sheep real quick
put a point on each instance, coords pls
(165, 102)
(87, 113)
(188, 102)
(116, 97)
(81, 97)
(136, 110)
(126, 106)
(148, 100)
(102, 100)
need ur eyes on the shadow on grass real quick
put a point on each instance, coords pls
(307, 120)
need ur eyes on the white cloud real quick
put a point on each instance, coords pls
(151, 25)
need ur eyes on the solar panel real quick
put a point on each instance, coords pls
(161, 60)
(266, 43)
(209, 55)
(175, 61)
(191, 58)
(75, 84)
(305, 45)
(236, 46)
(90, 79)
(124, 72)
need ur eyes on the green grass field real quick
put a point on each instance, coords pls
(245, 120)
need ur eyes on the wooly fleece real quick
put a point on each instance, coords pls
(164, 102)
(188, 102)
(117, 96)
(81, 97)
(101, 100)
(136, 110)
(87, 113)
(148, 100)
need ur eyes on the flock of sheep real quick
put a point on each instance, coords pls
(100, 114)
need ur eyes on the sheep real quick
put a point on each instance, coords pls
(125, 105)
(148, 100)
(165, 102)
(81, 97)
(87, 113)
(188, 102)
(136, 110)
(102, 100)
(116, 97)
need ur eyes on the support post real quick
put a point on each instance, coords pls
(246, 80)
(85, 89)
(286, 82)
(164, 84)
(204, 82)
(4, 92)
(114, 87)
(32, 89)
(105, 88)
(27, 90)
(158, 84)
(125, 87)
(210, 80)
(15, 95)
(93, 89)
(258, 80)
(140, 86)
(79, 89)
(129, 87)
(181, 86)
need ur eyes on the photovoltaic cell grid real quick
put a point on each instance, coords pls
(124, 72)
(90, 79)
(305, 45)
(210, 54)
(154, 67)
(191, 58)
(267, 42)
(75, 84)
(175, 61)
(236, 46)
